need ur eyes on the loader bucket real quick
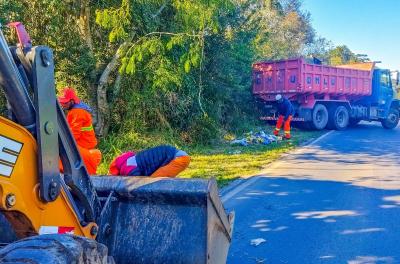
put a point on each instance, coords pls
(161, 220)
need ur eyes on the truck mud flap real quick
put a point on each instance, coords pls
(273, 118)
(162, 220)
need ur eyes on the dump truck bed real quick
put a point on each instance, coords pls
(297, 77)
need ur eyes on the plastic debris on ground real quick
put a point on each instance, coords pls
(236, 152)
(253, 138)
(256, 242)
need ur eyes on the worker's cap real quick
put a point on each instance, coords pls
(68, 94)
(278, 97)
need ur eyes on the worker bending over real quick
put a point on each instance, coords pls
(79, 119)
(161, 161)
(285, 111)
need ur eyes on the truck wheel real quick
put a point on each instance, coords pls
(57, 249)
(392, 120)
(338, 118)
(319, 117)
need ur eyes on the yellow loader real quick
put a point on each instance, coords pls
(49, 217)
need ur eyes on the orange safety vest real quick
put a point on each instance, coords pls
(80, 123)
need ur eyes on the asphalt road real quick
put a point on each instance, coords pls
(335, 201)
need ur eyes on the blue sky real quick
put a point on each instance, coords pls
(369, 27)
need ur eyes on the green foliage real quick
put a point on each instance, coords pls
(116, 19)
(339, 55)
(185, 66)
(282, 28)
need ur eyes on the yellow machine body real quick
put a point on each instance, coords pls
(19, 189)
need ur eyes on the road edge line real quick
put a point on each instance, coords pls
(315, 141)
(273, 165)
(239, 188)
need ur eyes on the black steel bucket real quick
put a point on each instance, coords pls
(150, 220)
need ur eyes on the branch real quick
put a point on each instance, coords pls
(159, 10)
(201, 78)
(117, 86)
(112, 65)
(161, 33)
(102, 104)
(172, 34)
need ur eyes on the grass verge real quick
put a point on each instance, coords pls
(220, 160)
(227, 163)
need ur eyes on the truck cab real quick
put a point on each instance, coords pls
(382, 102)
(382, 91)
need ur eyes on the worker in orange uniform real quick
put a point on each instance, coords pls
(79, 119)
(285, 111)
(161, 161)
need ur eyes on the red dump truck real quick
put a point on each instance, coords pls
(326, 96)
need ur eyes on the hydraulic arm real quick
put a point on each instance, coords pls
(28, 72)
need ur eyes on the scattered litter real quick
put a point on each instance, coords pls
(252, 138)
(260, 261)
(235, 152)
(256, 242)
(242, 142)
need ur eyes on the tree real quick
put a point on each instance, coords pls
(362, 58)
(282, 28)
(82, 55)
(342, 55)
(180, 66)
(319, 49)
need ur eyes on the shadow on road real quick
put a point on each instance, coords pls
(367, 156)
(308, 221)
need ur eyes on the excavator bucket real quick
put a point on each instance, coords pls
(150, 220)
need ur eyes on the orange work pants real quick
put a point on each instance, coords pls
(173, 168)
(91, 159)
(286, 126)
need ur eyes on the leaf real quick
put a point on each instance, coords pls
(195, 59)
(187, 66)
(111, 36)
(131, 67)
(140, 56)
(169, 45)
(124, 63)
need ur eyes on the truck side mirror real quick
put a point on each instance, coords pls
(395, 76)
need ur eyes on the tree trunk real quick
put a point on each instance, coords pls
(85, 32)
(103, 108)
(84, 24)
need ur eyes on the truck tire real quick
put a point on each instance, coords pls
(57, 249)
(392, 120)
(319, 117)
(338, 118)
